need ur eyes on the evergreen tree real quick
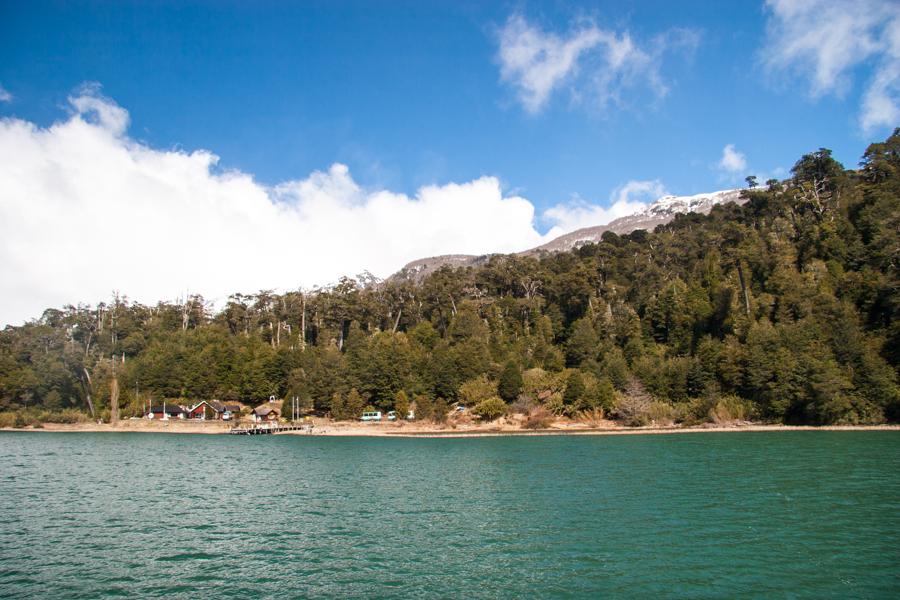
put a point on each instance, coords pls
(401, 404)
(510, 383)
(575, 389)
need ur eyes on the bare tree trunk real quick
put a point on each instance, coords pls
(397, 321)
(184, 317)
(740, 271)
(88, 386)
(114, 396)
(303, 323)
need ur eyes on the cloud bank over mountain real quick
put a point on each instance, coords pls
(87, 210)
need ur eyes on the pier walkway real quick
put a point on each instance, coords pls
(266, 429)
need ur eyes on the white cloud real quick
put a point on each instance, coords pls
(536, 62)
(4, 95)
(826, 40)
(94, 107)
(625, 200)
(593, 62)
(732, 162)
(86, 210)
(639, 192)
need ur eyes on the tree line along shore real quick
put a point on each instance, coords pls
(782, 310)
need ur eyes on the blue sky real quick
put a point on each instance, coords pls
(410, 94)
(562, 104)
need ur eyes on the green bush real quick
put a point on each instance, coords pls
(490, 409)
(730, 409)
(477, 390)
(555, 404)
(660, 413)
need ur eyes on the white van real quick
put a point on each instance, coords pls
(374, 415)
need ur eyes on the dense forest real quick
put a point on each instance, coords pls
(783, 309)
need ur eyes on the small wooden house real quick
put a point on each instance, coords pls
(164, 412)
(264, 414)
(207, 410)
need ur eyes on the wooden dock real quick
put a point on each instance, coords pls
(267, 429)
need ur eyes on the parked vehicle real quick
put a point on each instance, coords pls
(392, 415)
(374, 415)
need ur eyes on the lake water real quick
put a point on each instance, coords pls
(774, 514)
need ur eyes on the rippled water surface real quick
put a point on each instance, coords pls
(775, 514)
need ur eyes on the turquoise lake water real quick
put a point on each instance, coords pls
(717, 515)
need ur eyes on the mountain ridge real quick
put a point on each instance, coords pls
(660, 212)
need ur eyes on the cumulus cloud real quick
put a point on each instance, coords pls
(591, 61)
(826, 40)
(732, 162)
(4, 95)
(625, 200)
(86, 210)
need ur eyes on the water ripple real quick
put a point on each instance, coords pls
(800, 514)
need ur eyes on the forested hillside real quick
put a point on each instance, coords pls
(785, 309)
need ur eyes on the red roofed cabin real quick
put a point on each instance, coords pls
(207, 411)
(165, 412)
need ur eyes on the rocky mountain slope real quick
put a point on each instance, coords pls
(660, 212)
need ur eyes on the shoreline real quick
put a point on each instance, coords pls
(347, 429)
(599, 431)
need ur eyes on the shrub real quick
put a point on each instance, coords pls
(440, 408)
(401, 405)
(555, 404)
(539, 418)
(538, 381)
(592, 417)
(660, 413)
(523, 405)
(633, 405)
(476, 390)
(424, 409)
(730, 409)
(490, 409)
(66, 415)
(696, 410)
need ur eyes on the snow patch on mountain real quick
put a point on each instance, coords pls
(660, 212)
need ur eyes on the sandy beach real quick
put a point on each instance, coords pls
(327, 427)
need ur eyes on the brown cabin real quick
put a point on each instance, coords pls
(265, 413)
